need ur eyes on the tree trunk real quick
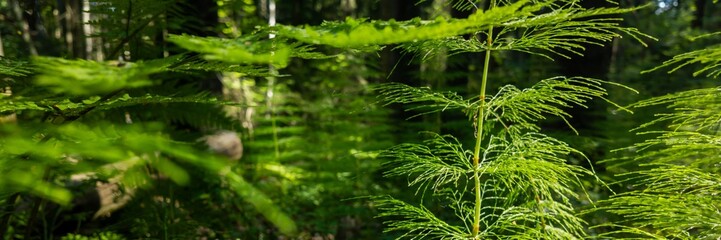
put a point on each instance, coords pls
(75, 34)
(433, 70)
(699, 14)
(24, 25)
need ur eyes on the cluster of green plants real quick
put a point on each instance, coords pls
(132, 128)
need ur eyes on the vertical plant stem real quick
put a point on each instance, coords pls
(38, 204)
(7, 214)
(479, 134)
(271, 81)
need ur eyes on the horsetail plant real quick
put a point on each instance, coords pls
(515, 182)
(675, 192)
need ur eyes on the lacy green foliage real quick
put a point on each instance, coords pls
(298, 169)
(528, 171)
(265, 205)
(247, 51)
(676, 202)
(709, 58)
(15, 68)
(74, 146)
(84, 142)
(521, 222)
(686, 147)
(354, 33)
(81, 77)
(675, 194)
(565, 30)
(315, 149)
(523, 186)
(673, 201)
(416, 222)
(439, 161)
(510, 105)
(425, 100)
(534, 162)
(515, 222)
(126, 100)
(562, 32)
(126, 150)
(195, 63)
(696, 108)
(70, 108)
(523, 167)
(548, 97)
(99, 236)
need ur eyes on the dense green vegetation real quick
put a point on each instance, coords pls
(350, 119)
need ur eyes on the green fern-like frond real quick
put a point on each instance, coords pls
(261, 202)
(428, 101)
(191, 63)
(305, 51)
(676, 191)
(120, 17)
(416, 222)
(563, 32)
(659, 178)
(359, 33)
(240, 51)
(527, 189)
(709, 59)
(535, 162)
(521, 222)
(683, 147)
(674, 201)
(127, 100)
(99, 236)
(14, 68)
(692, 136)
(439, 161)
(125, 150)
(82, 77)
(19, 104)
(68, 107)
(566, 31)
(675, 194)
(696, 108)
(547, 97)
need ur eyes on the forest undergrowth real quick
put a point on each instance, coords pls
(496, 119)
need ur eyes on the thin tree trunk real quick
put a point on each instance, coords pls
(25, 27)
(271, 81)
(349, 7)
(8, 213)
(88, 30)
(699, 14)
(432, 70)
(76, 33)
(388, 57)
(615, 45)
(2, 49)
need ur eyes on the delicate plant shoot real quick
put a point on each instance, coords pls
(675, 194)
(514, 182)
